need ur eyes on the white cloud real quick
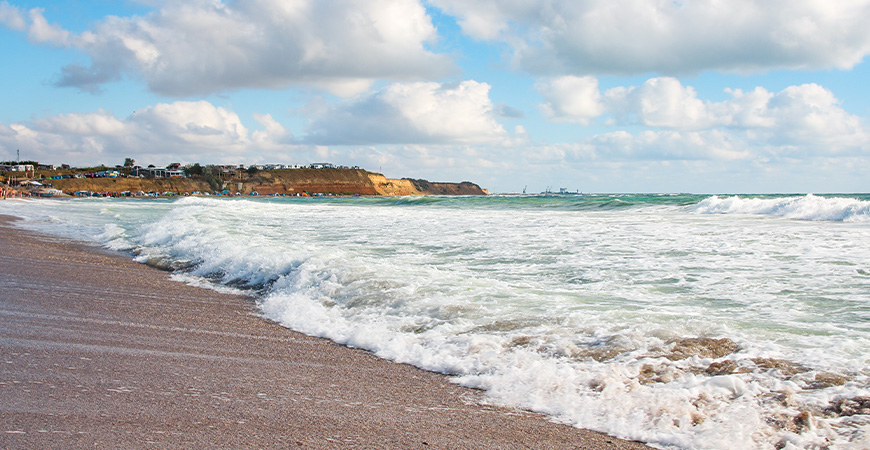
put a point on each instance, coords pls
(663, 36)
(411, 113)
(274, 135)
(197, 125)
(433, 124)
(493, 19)
(572, 99)
(11, 17)
(42, 31)
(205, 46)
(811, 114)
(806, 117)
(670, 145)
(38, 29)
(660, 102)
(191, 131)
(746, 109)
(755, 138)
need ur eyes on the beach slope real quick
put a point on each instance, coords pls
(102, 352)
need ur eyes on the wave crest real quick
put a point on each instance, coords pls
(809, 207)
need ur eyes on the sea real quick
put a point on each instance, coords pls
(683, 321)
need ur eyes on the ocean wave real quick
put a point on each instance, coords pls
(809, 207)
(636, 322)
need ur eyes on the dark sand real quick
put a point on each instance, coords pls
(97, 351)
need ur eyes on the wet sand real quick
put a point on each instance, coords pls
(97, 351)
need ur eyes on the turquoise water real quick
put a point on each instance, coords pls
(686, 321)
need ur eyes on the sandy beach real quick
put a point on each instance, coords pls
(102, 352)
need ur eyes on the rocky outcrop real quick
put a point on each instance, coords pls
(435, 188)
(390, 187)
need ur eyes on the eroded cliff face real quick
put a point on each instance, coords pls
(288, 182)
(390, 187)
(70, 186)
(311, 181)
(437, 188)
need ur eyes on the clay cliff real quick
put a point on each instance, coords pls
(288, 182)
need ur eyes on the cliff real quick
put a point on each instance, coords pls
(436, 188)
(289, 182)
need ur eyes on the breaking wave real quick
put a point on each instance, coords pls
(647, 317)
(808, 207)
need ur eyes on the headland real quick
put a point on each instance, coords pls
(290, 182)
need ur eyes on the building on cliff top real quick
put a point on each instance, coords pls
(17, 167)
(156, 172)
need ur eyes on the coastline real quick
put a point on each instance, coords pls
(103, 352)
(285, 182)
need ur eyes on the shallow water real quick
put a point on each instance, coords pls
(684, 321)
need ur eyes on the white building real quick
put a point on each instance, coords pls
(18, 168)
(156, 172)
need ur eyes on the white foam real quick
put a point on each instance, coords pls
(809, 207)
(571, 313)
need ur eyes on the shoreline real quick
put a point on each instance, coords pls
(103, 352)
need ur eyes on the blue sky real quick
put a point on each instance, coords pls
(598, 95)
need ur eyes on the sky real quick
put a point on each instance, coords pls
(700, 96)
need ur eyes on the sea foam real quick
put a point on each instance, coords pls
(649, 322)
(809, 207)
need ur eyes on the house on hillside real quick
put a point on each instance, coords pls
(158, 172)
(282, 166)
(18, 167)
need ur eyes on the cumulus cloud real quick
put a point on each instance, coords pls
(572, 99)
(38, 29)
(197, 125)
(661, 102)
(11, 17)
(427, 115)
(804, 121)
(204, 46)
(411, 113)
(810, 113)
(163, 132)
(669, 37)
(801, 115)
(670, 146)
(756, 130)
(42, 31)
(274, 135)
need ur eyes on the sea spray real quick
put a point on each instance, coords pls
(685, 321)
(809, 207)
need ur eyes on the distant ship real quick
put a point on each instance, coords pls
(562, 191)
